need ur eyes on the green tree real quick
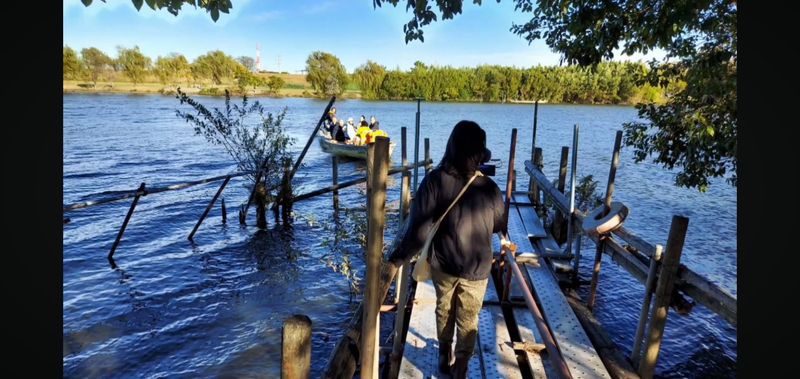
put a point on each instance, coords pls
(96, 62)
(248, 63)
(369, 77)
(171, 68)
(326, 73)
(215, 65)
(213, 7)
(275, 83)
(695, 130)
(72, 65)
(134, 64)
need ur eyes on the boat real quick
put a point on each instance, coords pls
(344, 150)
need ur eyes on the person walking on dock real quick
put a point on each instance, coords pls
(461, 253)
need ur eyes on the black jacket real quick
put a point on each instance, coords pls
(463, 244)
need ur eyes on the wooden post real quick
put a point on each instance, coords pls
(509, 191)
(377, 169)
(208, 208)
(428, 162)
(261, 205)
(403, 274)
(648, 294)
(296, 348)
(666, 282)
(562, 169)
(416, 147)
(405, 201)
(533, 188)
(286, 193)
(224, 212)
(531, 182)
(607, 204)
(335, 179)
(559, 223)
(139, 192)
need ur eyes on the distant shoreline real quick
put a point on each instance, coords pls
(79, 87)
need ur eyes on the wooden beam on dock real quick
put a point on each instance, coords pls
(689, 282)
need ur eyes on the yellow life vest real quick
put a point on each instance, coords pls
(362, 133)
(376, 133)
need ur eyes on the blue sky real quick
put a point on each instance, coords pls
(288, 31)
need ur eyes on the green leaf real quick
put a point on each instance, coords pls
(87, 2)
(151, 4)
(137, 4)
(215, 14)
(710, 130)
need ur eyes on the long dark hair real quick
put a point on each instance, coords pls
(466, 149)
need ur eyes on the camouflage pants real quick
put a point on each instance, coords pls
(458, 302)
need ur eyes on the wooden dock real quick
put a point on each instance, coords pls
(498, 330)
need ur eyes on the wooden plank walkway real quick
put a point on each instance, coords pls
(494, 356)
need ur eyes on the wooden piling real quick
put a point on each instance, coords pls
(648, 294)
(405, 201)
(533, 187)
(335, 179)
(560, 224)
(509, 191)
(531, 182)
(666, 282)
(139, 193)
(403, 274)
(224, 212)
(208, 208)
(296, 348)
(416, 146)
(285, 197)
(607, 204)
(377, 170)
(428, 161)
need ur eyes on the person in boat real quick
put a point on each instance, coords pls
(363, 122)
(338, 131)
(350, 131)
(332, 123)
(461, 251)
(330, 119)
(376, 132)
(373, 122)
(362, 132)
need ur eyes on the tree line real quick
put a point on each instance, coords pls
(216, 67)
(606, 83)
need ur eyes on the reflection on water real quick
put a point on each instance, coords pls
(214, 307)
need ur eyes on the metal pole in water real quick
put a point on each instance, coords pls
(572, 179)
(416, 149)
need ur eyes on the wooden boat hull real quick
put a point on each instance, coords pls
(344, 150)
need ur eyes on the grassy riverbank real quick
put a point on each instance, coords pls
(295, 86)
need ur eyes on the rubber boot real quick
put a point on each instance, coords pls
(459, 368)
